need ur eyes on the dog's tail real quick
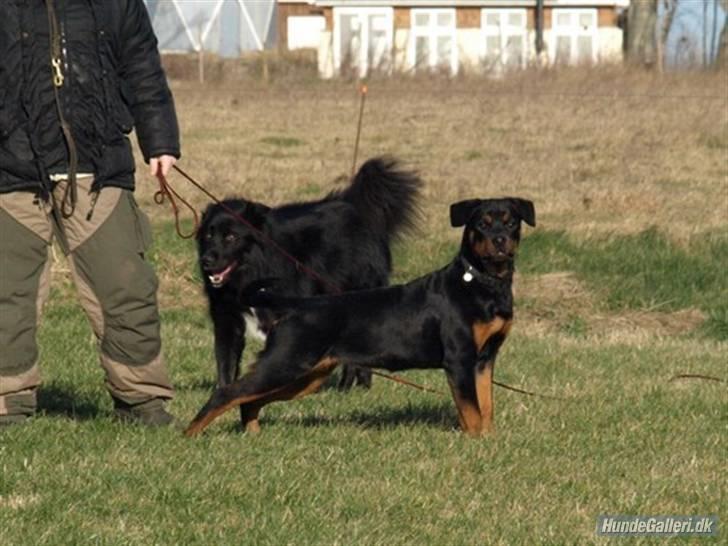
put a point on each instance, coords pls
(386, 195)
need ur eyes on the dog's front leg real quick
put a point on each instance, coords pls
(484, 389)
(483, 376)
(229, 344)
(464, 393)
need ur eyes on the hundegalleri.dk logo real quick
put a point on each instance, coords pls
(657, 525)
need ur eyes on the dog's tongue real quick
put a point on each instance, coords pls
(218, 278)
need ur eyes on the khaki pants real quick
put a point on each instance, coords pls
(116, 286)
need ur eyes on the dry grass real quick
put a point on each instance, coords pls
(596, 149)
(601, 152)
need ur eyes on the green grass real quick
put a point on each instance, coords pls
(385, 466)
(388, 466)
(641, 271)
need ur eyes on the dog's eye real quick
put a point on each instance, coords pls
(231, 238)
(208, 235)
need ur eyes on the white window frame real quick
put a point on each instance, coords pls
(432, 32)
(504, 30)
(573, 31)
(363, 13)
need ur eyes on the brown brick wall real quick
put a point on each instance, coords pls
(401, 18)
(468, 17)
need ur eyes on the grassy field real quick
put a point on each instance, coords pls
(621, 285)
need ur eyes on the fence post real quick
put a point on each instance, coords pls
(201, 57)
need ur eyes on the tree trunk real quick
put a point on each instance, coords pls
(641, 32)
(668, 16)
(721, 59)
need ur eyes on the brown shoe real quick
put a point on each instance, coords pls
(150, 413)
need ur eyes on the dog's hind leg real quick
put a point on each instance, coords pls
(353, 375)
(307, 384)
(243, 391)
(249, 417)
(250, 393)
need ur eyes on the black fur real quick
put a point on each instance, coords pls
(345, 238)
(456, 318)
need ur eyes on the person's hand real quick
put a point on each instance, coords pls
(160, 166)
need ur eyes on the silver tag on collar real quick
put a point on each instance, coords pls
(467, 276)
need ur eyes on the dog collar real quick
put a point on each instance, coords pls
(470, 273)
(468, 276)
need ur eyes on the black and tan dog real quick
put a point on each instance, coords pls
(455, 318)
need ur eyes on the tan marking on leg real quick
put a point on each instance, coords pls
(199, 424)
(468, 412)
(249, 418)
(318, 375)
(482, 331)
(484, 388)
(297, 389)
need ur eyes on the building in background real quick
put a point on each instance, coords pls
(225, 27)
(490, 36)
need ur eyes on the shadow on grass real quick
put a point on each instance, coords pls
(209, 384)
(440, 416)
(57, 399)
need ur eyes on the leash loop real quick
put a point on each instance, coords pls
(166, 191)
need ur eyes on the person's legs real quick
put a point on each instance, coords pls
(117, 288)
(25, 235)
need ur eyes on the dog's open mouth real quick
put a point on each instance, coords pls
(221, 277)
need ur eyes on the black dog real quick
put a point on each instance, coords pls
(344, 239)
(455, 318)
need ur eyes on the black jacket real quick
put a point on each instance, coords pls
(113, 82)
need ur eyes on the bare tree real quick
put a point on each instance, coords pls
(641, 32)
(706, 50)
(721, 60)
(668, 16)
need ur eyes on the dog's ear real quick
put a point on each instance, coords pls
(523, 208)
(461, 212)
(255, 213)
